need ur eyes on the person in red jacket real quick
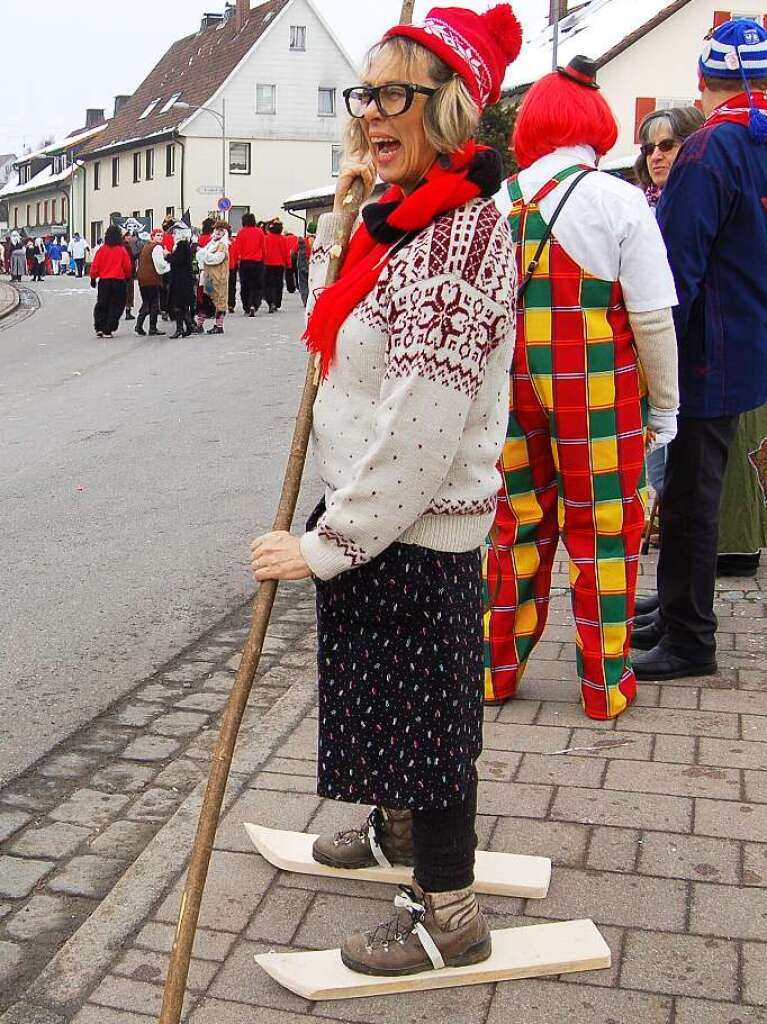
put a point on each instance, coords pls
(277, 259)
(250, 250)
(111, 268)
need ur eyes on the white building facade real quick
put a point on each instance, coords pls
(280, 108)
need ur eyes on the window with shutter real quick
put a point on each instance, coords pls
(644, 106)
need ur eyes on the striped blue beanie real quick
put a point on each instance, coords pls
(736, 49)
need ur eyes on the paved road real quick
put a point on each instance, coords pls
(132, 475)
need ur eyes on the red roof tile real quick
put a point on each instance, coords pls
(196, 66)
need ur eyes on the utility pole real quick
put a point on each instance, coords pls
(554, 16)
(223, 147)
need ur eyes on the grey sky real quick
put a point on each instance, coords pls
(85, 52)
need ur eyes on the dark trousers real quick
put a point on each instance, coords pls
(689, 534)
(232, 289)
(162, 296)
(445, 842)
(251, 284)
(150, 306)
(80, 264)
(109, 305)
(274, 282)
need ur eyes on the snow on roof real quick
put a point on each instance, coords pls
(45, 178)
(315, 193)
(320, 196)
(65, 144)
(594, 28)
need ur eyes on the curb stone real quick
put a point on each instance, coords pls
(86, 957)
(9, 299)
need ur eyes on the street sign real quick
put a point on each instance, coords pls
(224, 205)
(209, 190)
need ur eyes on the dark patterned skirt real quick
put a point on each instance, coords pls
(401, 682)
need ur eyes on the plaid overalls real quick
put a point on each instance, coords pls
(573, 463)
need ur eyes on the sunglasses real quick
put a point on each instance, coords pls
(391, 100)
(665, 146)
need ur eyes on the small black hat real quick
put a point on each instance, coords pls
(582, 71)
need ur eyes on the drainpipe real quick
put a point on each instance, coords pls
(181, 143)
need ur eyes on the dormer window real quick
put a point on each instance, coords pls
(150, 108)
(174, 98)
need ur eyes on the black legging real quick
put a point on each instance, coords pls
(445, 842)
(150, 306)
(109, 305)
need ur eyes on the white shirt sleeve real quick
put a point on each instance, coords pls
(161, 265)
(502, 200)
(645, 274)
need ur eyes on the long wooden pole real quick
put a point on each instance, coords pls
(202, 848)
(407, 12)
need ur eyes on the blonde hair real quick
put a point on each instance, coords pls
(450, 116)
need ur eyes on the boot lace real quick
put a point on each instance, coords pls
(398, 929)
(349, 836)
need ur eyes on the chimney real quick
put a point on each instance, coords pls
(210, 20)
(94, 117)
(557, 10)
(242, 15)
(120, 102)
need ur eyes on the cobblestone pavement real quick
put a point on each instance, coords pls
(656, 824)
(71, 824)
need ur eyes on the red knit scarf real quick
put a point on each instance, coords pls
(472, 171)
(737, 109)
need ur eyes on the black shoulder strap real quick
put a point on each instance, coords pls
(547, 234)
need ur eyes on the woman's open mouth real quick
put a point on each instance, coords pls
(386, 150)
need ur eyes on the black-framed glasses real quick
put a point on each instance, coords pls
(665, 146)
(391, 100)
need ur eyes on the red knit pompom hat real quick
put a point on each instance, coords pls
(478, 47)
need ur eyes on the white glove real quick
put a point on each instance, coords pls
(663, 424)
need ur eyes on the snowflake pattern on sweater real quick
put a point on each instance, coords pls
(409, 425)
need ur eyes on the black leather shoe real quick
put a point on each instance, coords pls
(645, 638)
(154, 333)
(140, 331)
(645, 605)
(651, 619)
(660, 664)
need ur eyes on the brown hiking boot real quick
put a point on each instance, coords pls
(429, 931)
(384, 838)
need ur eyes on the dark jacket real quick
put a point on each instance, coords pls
(182, 286)
(713, 215)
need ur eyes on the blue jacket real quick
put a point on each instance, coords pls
(713, 216)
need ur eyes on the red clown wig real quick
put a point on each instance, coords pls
(563, 110)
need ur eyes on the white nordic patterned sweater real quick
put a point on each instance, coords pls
(410, 423)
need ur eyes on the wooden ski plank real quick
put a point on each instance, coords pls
(496, 874)
(529, 952)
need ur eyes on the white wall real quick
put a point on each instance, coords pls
(128, 196)
(17, 208)
(278, 169)
(662, 64)
(298, 77)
